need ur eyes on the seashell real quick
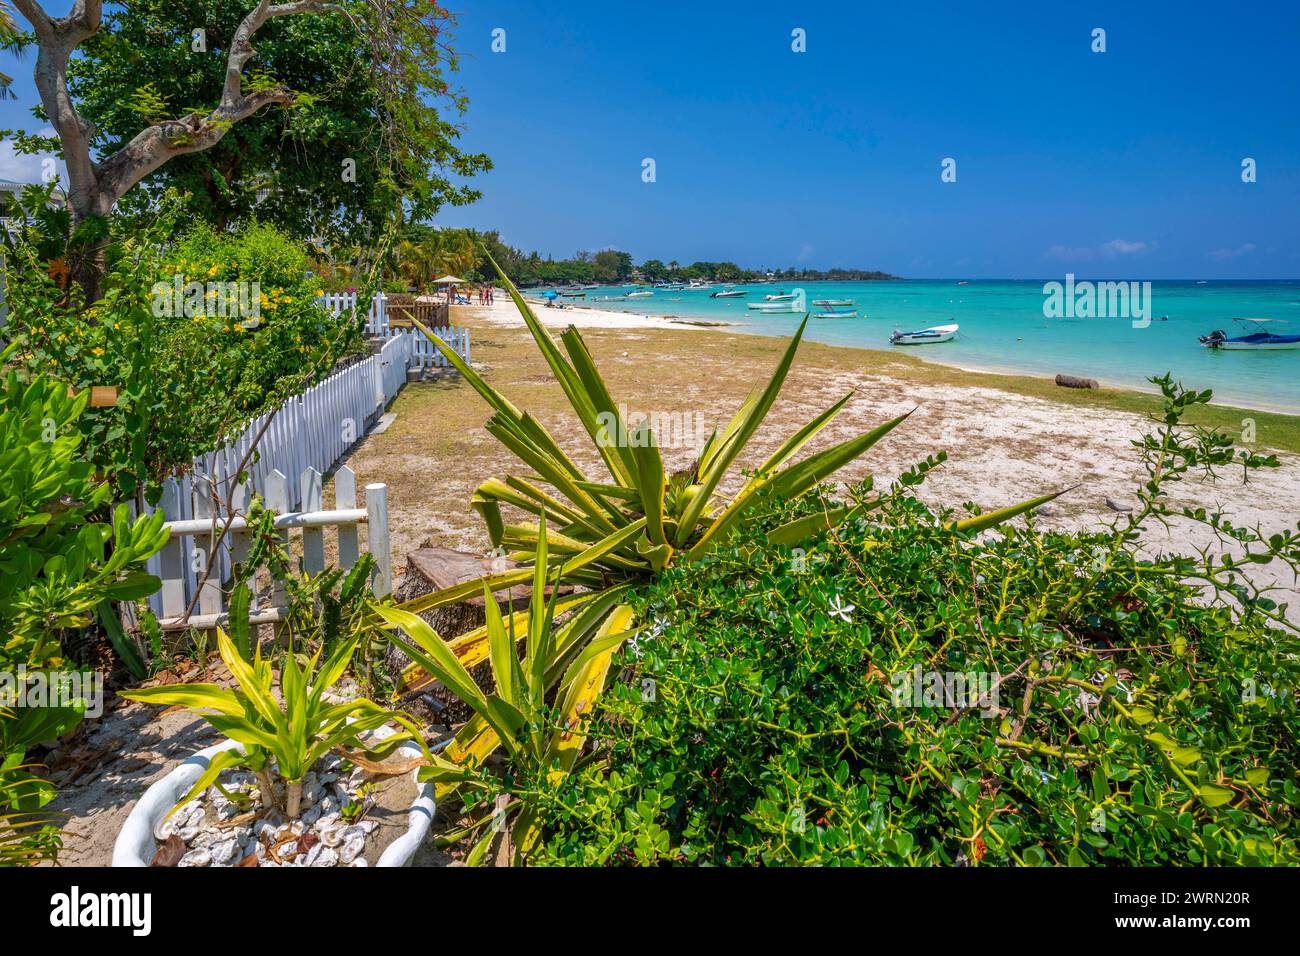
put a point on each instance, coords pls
(326, 857)
(196, 858)
(332, 837)
(225, 852)
(352, 849)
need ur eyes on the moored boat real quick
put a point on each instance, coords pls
(728, 294)
(641, 294)
(781, 296)
(837, 314)
(1261, 339)
(939, 333)
(834, 303)
(774, 307)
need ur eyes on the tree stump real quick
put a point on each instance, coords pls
(430, 569)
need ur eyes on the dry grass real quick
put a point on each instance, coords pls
(1008, 437)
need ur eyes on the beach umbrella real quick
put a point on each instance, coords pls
(550, 294)
(450, 282)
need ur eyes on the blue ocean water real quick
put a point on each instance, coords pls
(1003, 328)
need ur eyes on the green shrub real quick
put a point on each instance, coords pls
(58, 566)
(184, 381)
(1133, 711)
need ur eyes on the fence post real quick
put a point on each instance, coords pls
(377, 537)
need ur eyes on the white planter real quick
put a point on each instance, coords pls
(135, 845)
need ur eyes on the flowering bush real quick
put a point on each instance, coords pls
(196, 336)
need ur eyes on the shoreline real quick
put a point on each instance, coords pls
(597, 318)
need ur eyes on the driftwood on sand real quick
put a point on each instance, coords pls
(1074, 381)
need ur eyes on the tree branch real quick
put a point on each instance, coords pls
(153, 146)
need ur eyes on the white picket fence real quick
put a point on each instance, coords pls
(423, 352)
(305, 437)
(184, 558)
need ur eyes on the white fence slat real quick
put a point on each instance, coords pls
(345, 498)
(207, 548)
(277, 500)
(172, 556)
(377, 538)
(313, 539)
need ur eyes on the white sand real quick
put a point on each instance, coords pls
(503, 312)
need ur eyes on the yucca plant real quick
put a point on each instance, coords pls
(294, 732)
(516, 716)
(622, 529)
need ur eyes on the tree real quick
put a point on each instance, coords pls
(403, 46)
(313, 169)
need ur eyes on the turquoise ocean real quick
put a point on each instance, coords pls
(1003, 328)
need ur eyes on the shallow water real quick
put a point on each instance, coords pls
(1003, 327)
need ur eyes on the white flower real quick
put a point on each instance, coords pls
(841, 610)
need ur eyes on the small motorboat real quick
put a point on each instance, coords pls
(728, 294)
(837, 314)
(1258, 340)
(770, 308)
(781, 296)
(641, 294)
(964, 282)
(940, 333)
(834, 303)
(574, 294)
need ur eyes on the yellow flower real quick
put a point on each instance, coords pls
(212, 272)
(97, 350)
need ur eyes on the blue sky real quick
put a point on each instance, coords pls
(1125, 163)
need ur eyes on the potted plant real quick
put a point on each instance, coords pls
(271, 771)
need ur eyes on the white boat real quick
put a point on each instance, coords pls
(728, 294)
(774, 307)
(834, 303)
(836, 314)
(940, 333)
(781, 297)
(640, 295)
(1257, 338)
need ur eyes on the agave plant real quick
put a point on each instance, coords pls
(294, 732)
(621, 529)
(516, 715)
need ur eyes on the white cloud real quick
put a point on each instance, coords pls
(1107, 250)
(27, 168)
(1245, 249)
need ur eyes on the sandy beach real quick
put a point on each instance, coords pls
(1007, 438)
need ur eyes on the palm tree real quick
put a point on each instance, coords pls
(8, 28)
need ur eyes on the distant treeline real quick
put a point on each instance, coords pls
(611, 266)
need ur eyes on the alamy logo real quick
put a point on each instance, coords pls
(224, 300)
(670, 429)
(74, 909)
(1098, 300)
(38, 689)
(954, 690)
